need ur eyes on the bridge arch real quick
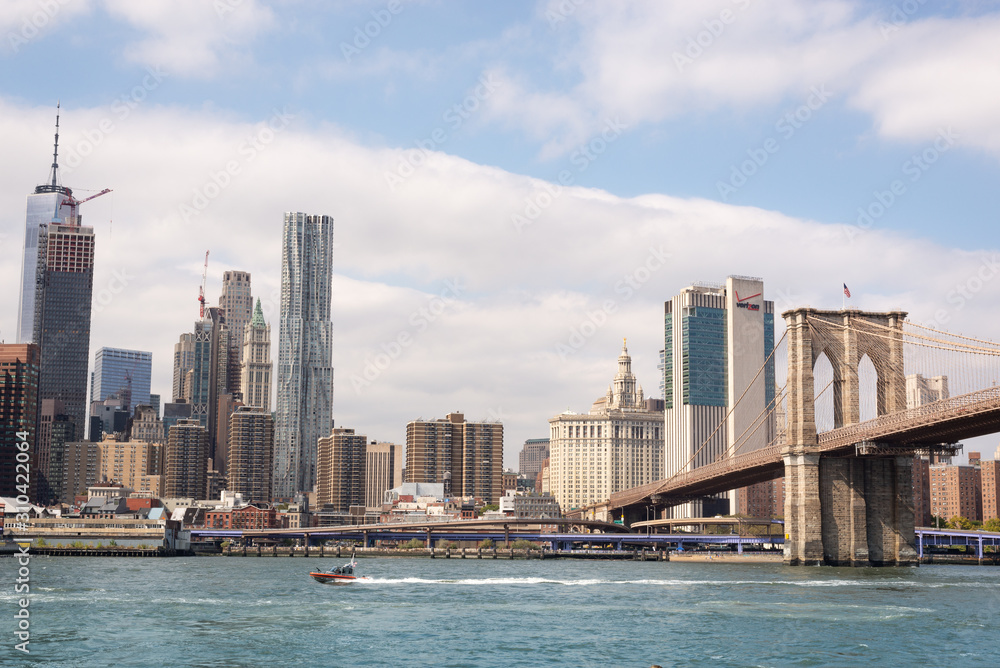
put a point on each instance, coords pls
(844, 510)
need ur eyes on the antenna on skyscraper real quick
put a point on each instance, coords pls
(55, 152)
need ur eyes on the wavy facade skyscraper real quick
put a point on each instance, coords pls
(305, 352)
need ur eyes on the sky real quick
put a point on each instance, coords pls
(517, 187)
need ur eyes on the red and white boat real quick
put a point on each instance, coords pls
(339, 575)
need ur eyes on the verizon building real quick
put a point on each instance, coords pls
(716, 338)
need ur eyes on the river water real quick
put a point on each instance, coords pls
(231, 611)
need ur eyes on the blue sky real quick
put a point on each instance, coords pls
(741, 137)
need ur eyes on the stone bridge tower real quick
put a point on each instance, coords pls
(841, 509)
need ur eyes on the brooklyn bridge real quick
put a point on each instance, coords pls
(849, 496)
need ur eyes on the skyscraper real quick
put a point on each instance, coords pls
(305, 350)
(18, 410)
(467, 457)
(383, 471)
(251, 443)
(534, 452)
(716, 339)
(340, 470)
(123, 372)
(256, 377)
(49, 203)
(186, 461)
(237, 305)
(57, 281)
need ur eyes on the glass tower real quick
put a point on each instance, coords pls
(125, 372)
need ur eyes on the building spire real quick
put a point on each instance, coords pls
(55, 152)
(257, 319)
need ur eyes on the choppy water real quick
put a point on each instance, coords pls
(421, 612)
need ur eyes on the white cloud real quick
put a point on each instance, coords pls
(653, 61)
(502, 342)
(24, 21)
(191, 37)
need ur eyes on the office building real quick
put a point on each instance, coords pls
(185, 471)
(383, 471)
(716, 339)
(184, 359)
(19, 402)
(305, 350)
(251, 445)
(202, 373)
(237, 304)
(121, 372)
(57, 281)
(529, 461)
(616, 446)
(255, 380)
(340, 470)
(466, 457)
(50, 203)
(174, 412)
(52, 422)
(62, 309)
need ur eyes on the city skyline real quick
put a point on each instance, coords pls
(472, 278)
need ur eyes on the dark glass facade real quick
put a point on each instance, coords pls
(704, 351)
(62, 330)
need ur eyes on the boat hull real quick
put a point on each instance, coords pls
(335, 579)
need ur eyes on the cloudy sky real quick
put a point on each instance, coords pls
(516, 186)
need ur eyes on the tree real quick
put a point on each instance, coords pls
(992, 524)
(486, 543)
(489, 506)
(959, 522)
(522, 544)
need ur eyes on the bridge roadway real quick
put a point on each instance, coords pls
(945, 421)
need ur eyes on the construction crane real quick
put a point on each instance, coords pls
(73, 203)
(201, 290)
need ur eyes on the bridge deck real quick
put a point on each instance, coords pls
(945, 421)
